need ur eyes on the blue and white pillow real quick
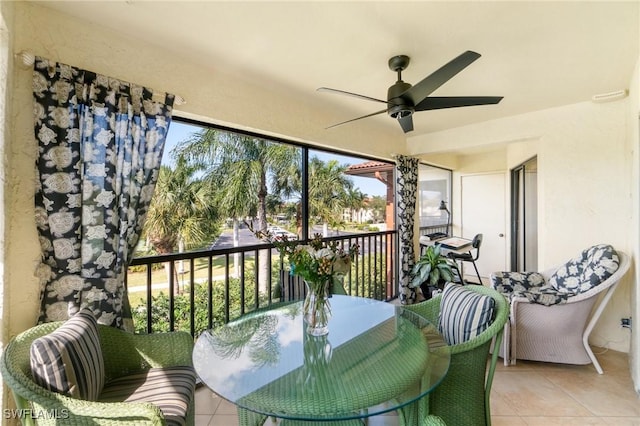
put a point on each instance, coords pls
(69, 360)
(464, 314)
(590, 268)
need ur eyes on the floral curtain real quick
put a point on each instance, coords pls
(406, 188)
(100, 143)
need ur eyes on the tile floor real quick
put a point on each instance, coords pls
(527, 394)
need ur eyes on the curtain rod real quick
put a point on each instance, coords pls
(28, 59)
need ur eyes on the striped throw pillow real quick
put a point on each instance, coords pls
(69, 360)
(464, 314)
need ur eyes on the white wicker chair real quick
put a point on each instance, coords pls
(557, 333)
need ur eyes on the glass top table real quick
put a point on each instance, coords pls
(377, 357)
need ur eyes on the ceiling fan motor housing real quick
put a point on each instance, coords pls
(398, 107)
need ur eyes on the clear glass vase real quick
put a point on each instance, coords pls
(317, 309)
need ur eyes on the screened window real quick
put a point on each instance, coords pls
(216, 185)
(434, 189)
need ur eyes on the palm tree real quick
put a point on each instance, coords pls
(355, 201)
(329, 189)
(181, 212)
(239, 166)
(379, 206)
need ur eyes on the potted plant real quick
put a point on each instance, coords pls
(431, 271)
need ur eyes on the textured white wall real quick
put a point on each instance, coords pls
(634, 142)
(4, 135)
(5, 66)
(21, 244)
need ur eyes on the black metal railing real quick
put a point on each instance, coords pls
(194, 291)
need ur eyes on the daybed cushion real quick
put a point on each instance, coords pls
(587, 270)
(530, 285)
(591, 267)
(170, 388)
(464, 314)
(69, 360)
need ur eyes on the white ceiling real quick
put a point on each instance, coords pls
(536, 54)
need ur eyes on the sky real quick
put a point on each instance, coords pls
(179, 131)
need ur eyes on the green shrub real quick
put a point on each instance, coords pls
(160, 306)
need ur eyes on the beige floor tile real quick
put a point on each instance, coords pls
(206, 401)
(203, 419)
(507, 421)
(500, 406)
(613, 398)
(612, 362)
(563, 421)
(622, 421)
(225, 420)
(529, 394)
(227, 408)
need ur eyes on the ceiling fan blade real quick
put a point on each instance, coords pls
(418, 92)
(359, 118)
(355, 95)
(436, 102)
(406, 123)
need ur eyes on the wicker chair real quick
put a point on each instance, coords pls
(541, 329)
(463, 397)
(124, 354)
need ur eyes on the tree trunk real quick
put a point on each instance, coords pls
(179, 270)
(236, 243)
(263, 264)
(165, 246)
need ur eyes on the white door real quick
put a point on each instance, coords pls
(483, 212)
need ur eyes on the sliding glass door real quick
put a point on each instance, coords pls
(524, 216)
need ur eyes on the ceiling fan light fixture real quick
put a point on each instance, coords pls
(401, 111)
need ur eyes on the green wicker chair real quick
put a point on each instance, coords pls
(463, 396)
(124, 354)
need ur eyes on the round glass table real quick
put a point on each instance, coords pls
(377, 357)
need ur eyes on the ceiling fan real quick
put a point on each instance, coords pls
(403, 99)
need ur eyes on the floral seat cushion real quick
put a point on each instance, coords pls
(530, 285)
(593, 266)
